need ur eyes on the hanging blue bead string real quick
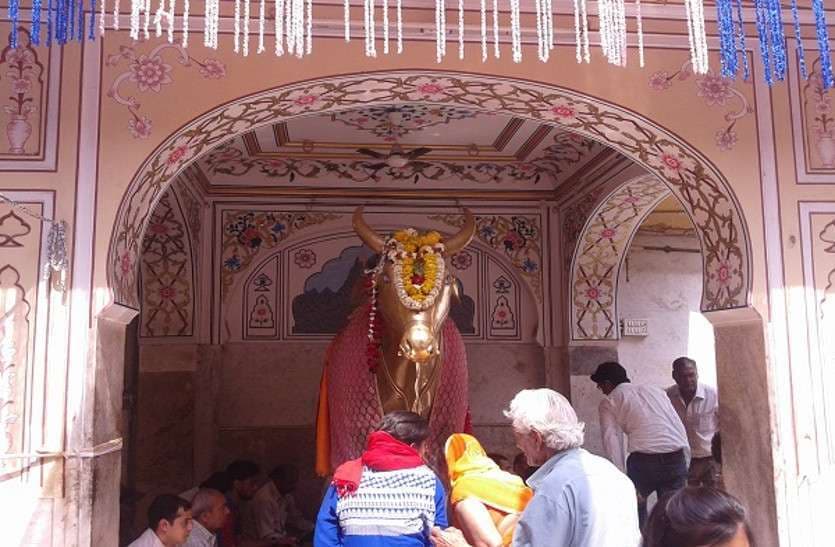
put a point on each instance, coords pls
(778, 38)
(79, 28)
(762, 32)
(71, 18)
(36, 22)
(727, 38)
(91, 32)
(801, 54)
(746, 68)
(50, 22)
(14, 15)
(823, 44)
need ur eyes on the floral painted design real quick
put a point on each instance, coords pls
(261, 316)
(305, 258)
(461, 260)
(716, 91)
(167, 284)
(150, 73)
(393, 122)
(24, 72)
(517, 237)
(247, 233)
(702, 190)
(818, 116)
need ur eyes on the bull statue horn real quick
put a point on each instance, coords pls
(455, 243)
(366, 232)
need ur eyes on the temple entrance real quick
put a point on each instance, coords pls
(239, 255)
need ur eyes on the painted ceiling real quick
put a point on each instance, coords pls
(467, 150)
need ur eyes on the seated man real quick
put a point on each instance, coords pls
(169, 523)
(210, 513)
(486, 500)
(274, 509)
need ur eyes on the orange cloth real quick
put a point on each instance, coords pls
(473, 475)
(323, 434)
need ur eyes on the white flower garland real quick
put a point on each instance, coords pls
(346, 14)
(496, 49)
(483, 21)
(278, 25)
(440, 30)
(186, 12)
(262, 15)
(399, 26)
(385, 27)
(697, 36)
(237, 37)
(308, 45)
(515, 31)
(246, 29)
(461, 29)
(640, 23)
(395, 253)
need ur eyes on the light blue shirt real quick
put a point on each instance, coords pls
(580, 500)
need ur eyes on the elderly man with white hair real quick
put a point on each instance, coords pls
(580, 500)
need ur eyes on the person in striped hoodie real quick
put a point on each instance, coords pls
(388, 497)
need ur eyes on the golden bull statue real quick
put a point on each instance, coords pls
(397, 351)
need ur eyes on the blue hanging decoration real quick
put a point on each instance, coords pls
(14, 14)
(801, 54)
(71, 17)
(59, 21)
(91, 32)
(79, 28)
(746, 68)
(727, 38)
(36, 22)
(778, 39)
(762, 32)
(823, 44)
(50, 22)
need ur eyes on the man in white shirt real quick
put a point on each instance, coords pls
(657, 439)
(210, 512)
(169, 523)
(274, 509)
(698, 407)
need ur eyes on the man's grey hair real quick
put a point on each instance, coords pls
(203, 501)
(550, 414)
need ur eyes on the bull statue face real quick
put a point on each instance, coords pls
(413, 295)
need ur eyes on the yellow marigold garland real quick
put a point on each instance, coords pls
(418, 265)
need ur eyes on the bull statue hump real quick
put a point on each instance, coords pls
(398, 351)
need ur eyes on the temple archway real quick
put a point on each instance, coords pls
(692, 178)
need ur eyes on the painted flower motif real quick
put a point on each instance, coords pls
(158, 228)
(672, 161)
(461, 260)
(529, 266)
(140, 128)
(21, 86)
(305, 100)
(233, 263)
(608, 233)
(512, 240)
(592, 293)
(125, 264)
(167, 293)
(278, 228)
(563, 111)
(632, 199)
(305, 258)
(430, 88)
(251, 237)
(726, 139)
(20, 56)
(714, 89)
(660, 81)
(487, 232)
(150, 73)
(212, 69)
(177, 154)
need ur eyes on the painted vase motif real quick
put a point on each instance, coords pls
(18, 131)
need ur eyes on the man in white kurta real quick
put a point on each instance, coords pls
(274, 509)
(657, 441)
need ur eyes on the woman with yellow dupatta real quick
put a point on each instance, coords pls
(486, 501)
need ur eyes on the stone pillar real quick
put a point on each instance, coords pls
(100, 469)
(557, 373)
(746, 417)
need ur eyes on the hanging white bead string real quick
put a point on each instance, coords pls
(278, 28)
(385, 27)
(346, 15)
(440, 30)
(584, 17)
(246, 29)
(102, 16)
(116, 10)
(370, 38)
(620, 25)
(170, 20)
(549, 22)
(496, 48)
(308, 45)
(237, 29)
(147, 22)
(540, 31)
(515, 31)
(696, 35)
(399, 26)
(210, 24)
(158, 18)
(461, 29)
(298, 26)
(186, 12)
(483, 31)
(262, 15)
(640, 23)
(135, 6)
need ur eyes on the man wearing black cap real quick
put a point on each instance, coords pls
(657, 438)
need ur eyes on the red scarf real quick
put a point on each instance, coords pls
(383, 453)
